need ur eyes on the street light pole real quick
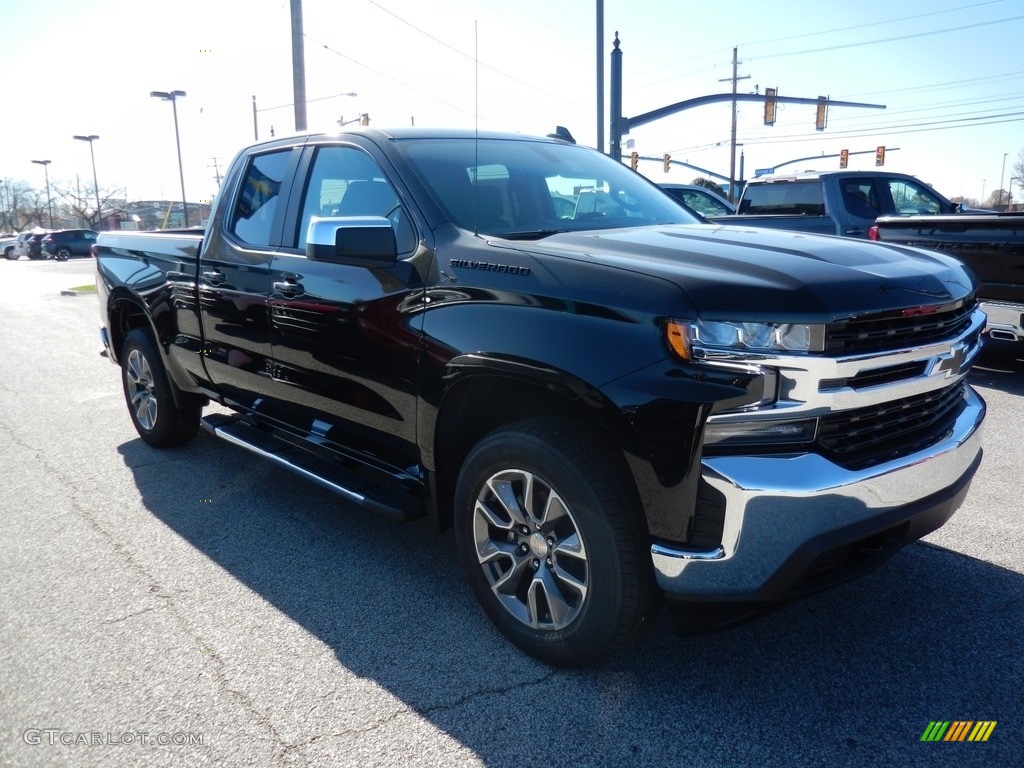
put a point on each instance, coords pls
(1002, 175)
(172, 97)
(49, 200)
(96, 185)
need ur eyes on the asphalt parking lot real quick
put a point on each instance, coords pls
(198, 607)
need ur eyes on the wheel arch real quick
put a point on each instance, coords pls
(484, 395)
(126, 313)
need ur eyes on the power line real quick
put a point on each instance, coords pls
(890, 39)
(915, 17)
(393, 79)
(466, 55)
(886, 22)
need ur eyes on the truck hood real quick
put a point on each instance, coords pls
(763, 274)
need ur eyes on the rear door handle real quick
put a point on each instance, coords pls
(216, 277)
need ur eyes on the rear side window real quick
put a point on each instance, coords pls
(253, 217)
(860, 198)
(784, 198)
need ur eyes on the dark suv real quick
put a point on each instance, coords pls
(69, 242)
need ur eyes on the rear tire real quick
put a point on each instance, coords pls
(553, 542)
(10, 255)
(62, 253)
(147, 391)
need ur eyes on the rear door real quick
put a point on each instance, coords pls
(234, 277)
(345, 337)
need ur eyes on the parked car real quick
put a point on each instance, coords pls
(28, 244)
(7, 246)
(835, 202)
(69, 242)
(699, 199)
(991, 245)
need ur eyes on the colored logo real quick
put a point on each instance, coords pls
(958, 730)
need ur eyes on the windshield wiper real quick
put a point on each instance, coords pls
(530, 234)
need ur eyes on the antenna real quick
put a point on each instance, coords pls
(476, 127)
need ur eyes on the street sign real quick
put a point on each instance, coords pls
(763, 171)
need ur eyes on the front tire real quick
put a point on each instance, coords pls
(158, 419)
(553, 542)
(10, 255)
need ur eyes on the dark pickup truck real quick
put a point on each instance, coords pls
(844, 203)
(992, 246)
(612, 405)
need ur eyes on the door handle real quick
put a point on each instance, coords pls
(289, 288)
(216, 277)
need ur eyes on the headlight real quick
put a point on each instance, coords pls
(684, 337)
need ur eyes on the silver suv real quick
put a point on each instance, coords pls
(27, 244)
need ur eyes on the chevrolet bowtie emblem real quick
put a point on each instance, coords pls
(952, 363)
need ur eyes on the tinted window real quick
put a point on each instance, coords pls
(253, 216)
(860, 198)
(345, 181)
(785, 197)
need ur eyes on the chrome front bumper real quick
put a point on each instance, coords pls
(782, 512)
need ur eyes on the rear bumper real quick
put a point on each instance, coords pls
(795, 524)
(1005, 320)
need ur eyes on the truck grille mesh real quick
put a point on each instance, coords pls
(889, 331)
(866, 436)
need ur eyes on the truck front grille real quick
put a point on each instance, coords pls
(876, 333)
(874, 434)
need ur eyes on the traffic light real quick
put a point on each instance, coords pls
(819, 118)
(880, 156)
(666, 162)
(634, 160)
(364, 119)
(844, 158)
(769, 105)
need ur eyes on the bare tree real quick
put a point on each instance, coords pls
(80, 203)
(22, 206)
(997, 199)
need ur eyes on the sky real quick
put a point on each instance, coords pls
(947, 71)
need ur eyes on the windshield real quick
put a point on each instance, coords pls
(531, 189)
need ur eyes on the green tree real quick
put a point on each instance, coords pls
(700, 181)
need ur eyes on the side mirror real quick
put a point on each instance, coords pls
(362, 241)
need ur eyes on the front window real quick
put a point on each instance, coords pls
(345, 181)
(529, 189)
(911, 198)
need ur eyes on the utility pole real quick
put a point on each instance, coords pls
(600, 76)
(298, 67)
(732, 144)
(216, 171)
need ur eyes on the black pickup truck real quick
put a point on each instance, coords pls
(611, 403)
(844, 203)
(992, 247)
